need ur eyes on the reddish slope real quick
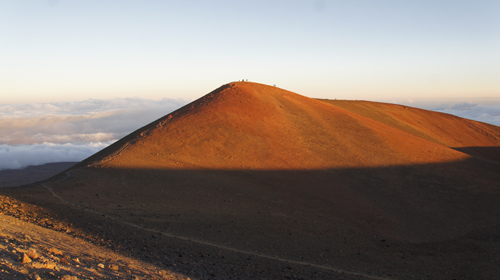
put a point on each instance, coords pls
(253, 126)
(466, 135)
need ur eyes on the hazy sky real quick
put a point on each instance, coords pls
(66, 50)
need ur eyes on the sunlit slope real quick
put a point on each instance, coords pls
(472, 137)
(253, 126)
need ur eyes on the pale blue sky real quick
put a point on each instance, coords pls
(357, 49)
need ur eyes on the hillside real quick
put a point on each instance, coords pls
(471, 137)
(252, 127)
(353, 188)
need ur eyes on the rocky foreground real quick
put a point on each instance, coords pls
(28, 251)
(37, 244)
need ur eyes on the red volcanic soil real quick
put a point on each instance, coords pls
(344, 189)
(471, 137)
(248, 126)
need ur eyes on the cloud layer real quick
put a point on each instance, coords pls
(32, 134)
(479, 109)
(20, 156)
(477, 112)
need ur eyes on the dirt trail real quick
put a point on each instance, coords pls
(336, 270)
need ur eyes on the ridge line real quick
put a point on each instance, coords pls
(122, 148)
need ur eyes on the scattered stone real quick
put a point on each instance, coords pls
(63, 261)
(25, 259)
(114, 267)
(33, 254)
(69, 277)
(100, 265)
(50, 265)
(55, 251)
(36, 277)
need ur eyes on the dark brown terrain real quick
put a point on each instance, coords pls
(31, 174)
(252, 181)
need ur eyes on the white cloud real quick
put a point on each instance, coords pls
(463, 106)
(32, 134)
(479, 109)
(482, 113)
(20, 156)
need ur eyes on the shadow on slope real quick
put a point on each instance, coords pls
(394, 220)
(488, 153)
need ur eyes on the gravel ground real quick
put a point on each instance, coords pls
(28, 251)
(67, 251)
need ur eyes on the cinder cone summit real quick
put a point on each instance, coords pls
(250, 126)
